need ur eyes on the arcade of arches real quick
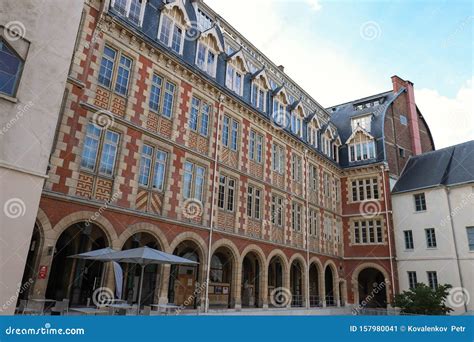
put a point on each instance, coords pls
(246, 279)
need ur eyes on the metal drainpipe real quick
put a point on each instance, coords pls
(306, 225)
(211, 221)
(455, 243)
(388, 229)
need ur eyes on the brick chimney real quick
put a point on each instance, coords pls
(412, 115)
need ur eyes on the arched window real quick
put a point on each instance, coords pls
(236, 69)
(11, 66)
(173, 23)
(297, 116)
(131, 9)
(280, 102)
(208, 48)
(260, 88)
(361, 145)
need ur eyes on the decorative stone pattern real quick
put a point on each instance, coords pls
(103, 189)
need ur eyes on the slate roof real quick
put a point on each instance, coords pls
(448, 166)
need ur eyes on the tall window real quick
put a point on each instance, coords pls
(162, 101)
(408, 234)
(199, 116)
(368, 232)
(193, 181)
(296, 217)
(152, 168)
(296, 168)
(171, 32)
(279, 113)
(278, 158)
(430, 238)
(234, 79)
(365, 189)
(412, 281)
(255, 146)
(254, 202)
(362, 150)
(107, 69)
(103, 143)
(230, 133)
(313, 178)
(226, 193)
(326, 185)
(470, 237)
(11, 66)
(259, 97)
(131, 9)
(206, 59)
(420, 202)
(432, 279)
(312, 136)
(277, 211)
(296, 124)
(313, 222)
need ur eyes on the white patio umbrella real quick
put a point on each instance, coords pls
(144, 256)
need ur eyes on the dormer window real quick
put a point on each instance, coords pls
(363, 122)
(173, 23)
(260, 88)
(361, 146)
(131, 9)
(208, 48)
(297, 116)
(280, 102)
(234, 80)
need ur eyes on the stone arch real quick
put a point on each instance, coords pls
(335, 281)
(261, 301)
(229, 244)
(355, 281)
(283, 257)
(142, 227)
(298, 281)
(191, 236)
(314, 261)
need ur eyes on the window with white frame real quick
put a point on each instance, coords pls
(171, 31)
(412, 281)
(259, 96)
(296, 217)
(313, 222)
(230, 133)
(312, 135)
(337, 190)
(103, 143)
(365, 189)
(206, 58)
(430, 238)
(278, 158)
(277, 210)
(255, 146)
(296, 123)
(162, 98)
(420, 201)
(193, 181)
(361, 150)
(234, 79)
(199, 116)
(367, 231)
(109, 67)
(296, 168)
(408, 235)
(432, 279)
(254, 201)
(279, 113)
(152, 168)
(313, 179)
(226, 194)
(131, 9)
(326, 144)
(326, 185)
(204, 21)
(363, 122)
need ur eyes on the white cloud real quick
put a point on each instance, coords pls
(451, 120)
(315, 5)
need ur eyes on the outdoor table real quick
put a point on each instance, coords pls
(117, 306)
(89, 311)
(165, 307)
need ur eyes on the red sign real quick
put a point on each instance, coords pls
(43, 271)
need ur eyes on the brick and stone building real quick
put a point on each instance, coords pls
(179, 134)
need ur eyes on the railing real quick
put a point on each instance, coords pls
(297, 301)
(315, 301)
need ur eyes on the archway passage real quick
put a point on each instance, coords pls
(314, 297)
(372, 288)
(275, 278)
(31, 265)
(184, 280)
(296, 283)
(220, 278)
(76, 279)
(250, 290)
(132, 272)
(329, 286)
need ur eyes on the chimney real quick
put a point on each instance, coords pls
(412, 114)
(281, 68)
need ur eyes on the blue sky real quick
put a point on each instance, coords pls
(343, 50)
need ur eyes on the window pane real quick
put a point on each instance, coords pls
(155, 93)
(123, 75)
(165, 31)
(235, 129)
(91, 145)
(145, 165)
(187, 180)
(206, 109)
(199, 186)
(168, 100)
(177, 37)
(225, 131)
(193, 118)
(106, 67)
(160, 168)
(135, 9)
(109, 151)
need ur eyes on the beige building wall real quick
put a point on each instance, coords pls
(43, 34)
(452, 252)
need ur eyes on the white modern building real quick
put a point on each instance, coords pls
(433, 213)
(35, 55)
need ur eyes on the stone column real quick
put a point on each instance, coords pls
(163, 297)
